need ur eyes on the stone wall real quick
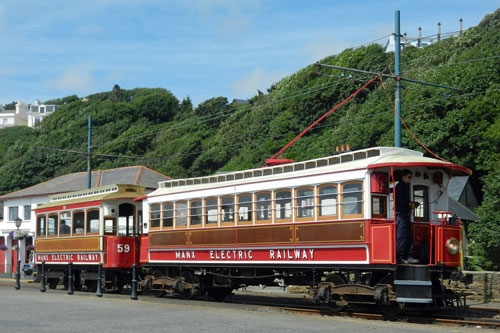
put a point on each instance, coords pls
(485, 287)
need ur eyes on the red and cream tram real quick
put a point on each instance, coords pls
(88, 228)
(326, 223)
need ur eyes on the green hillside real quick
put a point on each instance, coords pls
(178, 140)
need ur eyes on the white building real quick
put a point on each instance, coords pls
(25, 114)
(17, 117)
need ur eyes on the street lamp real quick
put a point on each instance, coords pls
(18, 223)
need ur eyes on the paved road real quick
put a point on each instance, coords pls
(29, 310)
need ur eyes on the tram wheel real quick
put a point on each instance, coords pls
(389, 309)
(91, 285)
(336, 305)
(219, 294)
(188, 278)
(53, 283)
(158, 293)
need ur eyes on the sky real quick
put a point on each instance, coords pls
(197, 48)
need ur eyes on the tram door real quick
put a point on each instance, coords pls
(422, 226)
(126, 220)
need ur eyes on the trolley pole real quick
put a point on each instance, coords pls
(133, 292)
(70, 278)
(42, 284)
(89, 151)
(397, 73)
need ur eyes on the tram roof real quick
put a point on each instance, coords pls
(370, 158)
(102, 193)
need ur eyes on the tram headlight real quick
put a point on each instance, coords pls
(452, 246)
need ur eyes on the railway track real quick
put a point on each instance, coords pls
(474, 317)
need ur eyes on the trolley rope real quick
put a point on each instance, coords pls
(325, 115)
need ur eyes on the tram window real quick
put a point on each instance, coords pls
(245, 211)
(154, 216)
(305, 203)
(227, 210)
(195, 212)
(181, 211)
(122, 225)
(93, 221)
(78, 223)
(168, 215)
(352, 199)
(52, 225)
(421, 195)
(327, 202)
(379, 206)
(41, 226)
(110, 226)
(211, 212)
(263, 205)
(65, 224)
(284, 205)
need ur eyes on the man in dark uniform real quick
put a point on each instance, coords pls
(404, 234)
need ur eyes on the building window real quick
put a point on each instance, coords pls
(27, 212)
(5, 121)
(37, 120)
(13, 213)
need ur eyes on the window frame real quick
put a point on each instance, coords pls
(270, 209)
(73, 224)
(13, 213)
(163, 218)
(37, 223)
(87, 221)
(27, 212)
(423, 205)
(275, 205)
(342, 195)
(176, 211)
(319, 206)
(190, 219)
(205, 212)
(221, 205)
(61, 214)
(312, 206)
(56, 226)
(250, 211)
(157, 217)
(384, 199)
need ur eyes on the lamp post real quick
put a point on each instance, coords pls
(18, 222)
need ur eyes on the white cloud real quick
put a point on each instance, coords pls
(247, 85)
(77, 79)
(322, 46)
(228, 17)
